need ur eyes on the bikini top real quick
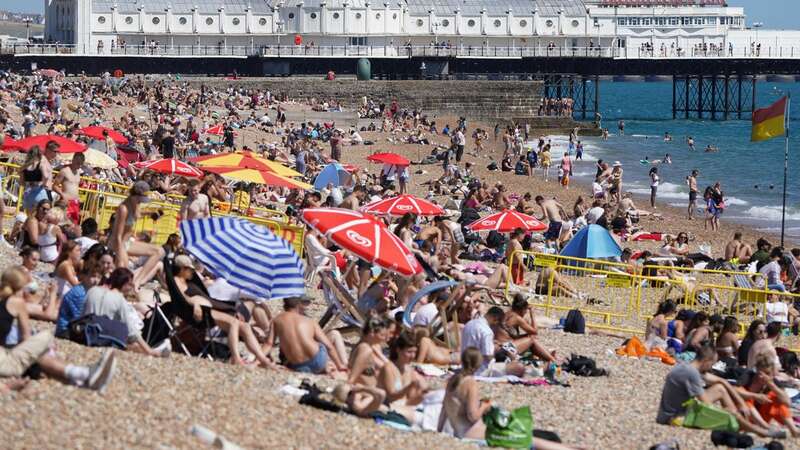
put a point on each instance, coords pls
(34, 175)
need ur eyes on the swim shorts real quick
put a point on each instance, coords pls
(553, 230)
(315, 365)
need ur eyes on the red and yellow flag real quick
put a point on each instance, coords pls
(769, 122)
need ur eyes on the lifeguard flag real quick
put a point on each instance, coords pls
(769, 122)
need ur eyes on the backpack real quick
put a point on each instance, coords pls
(575, 322)
(583, 366)
(98, 331)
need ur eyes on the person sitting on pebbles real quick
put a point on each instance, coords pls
(303, 344)
(694, 381)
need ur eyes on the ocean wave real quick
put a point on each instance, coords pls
(736, 201)
(772, 213)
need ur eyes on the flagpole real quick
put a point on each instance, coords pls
(785, 166)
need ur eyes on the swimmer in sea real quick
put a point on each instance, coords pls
(667, 159)
(710, 149)
(667, 137)
(690, 142)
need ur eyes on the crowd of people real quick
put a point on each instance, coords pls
(70, 266)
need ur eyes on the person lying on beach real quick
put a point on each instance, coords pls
(428, 352)
(359, 399)
(30, 348)
(497, 279)
(303, 344)
(560, 286)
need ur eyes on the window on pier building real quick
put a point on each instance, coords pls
(358, 40)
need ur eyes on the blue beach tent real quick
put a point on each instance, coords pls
(592, 242)
(333, 173)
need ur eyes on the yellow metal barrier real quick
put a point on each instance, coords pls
(160, 219)
(624, 301)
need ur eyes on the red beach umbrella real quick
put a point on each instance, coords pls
(96, 132)
(170, 166)
(507, 221)
(65, 145)
(218, 130)
(8, 143)
(402, 204)
(389, 158)
(364, 236)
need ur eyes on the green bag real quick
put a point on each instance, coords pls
(708, 417)
(509, 429)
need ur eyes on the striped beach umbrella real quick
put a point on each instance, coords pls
(507, 221)
(402, 204)
(246, 255)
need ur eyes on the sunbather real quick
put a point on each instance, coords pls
(404, 387)
(428, 352)
(367, 358)
(184, 273)
(303, 344)
(560, 286)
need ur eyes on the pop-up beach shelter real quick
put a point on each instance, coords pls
(592, 242)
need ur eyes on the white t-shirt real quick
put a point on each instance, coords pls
(772, 272)
(426, 315)
(777, 312)
(478, 334)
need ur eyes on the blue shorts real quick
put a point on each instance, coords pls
(315, 365)
(33, 196)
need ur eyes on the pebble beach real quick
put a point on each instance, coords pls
(154, 403)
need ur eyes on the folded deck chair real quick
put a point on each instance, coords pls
(753, 295)
(341, 305)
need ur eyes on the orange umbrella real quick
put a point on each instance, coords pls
(258, 177)
(245, 160)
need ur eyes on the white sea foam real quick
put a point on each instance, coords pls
(772, 213)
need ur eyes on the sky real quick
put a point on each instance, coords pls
(772, 13)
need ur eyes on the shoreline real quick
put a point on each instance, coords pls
(673, 219)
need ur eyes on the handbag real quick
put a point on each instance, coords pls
(509, 429)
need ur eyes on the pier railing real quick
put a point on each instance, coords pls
(413, 51)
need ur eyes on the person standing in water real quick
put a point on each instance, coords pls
(690, 143)
(667, 137)
(691, 181)
(621, 127)
(653, 186)
(579, 152)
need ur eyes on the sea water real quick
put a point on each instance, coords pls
(751, 173)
